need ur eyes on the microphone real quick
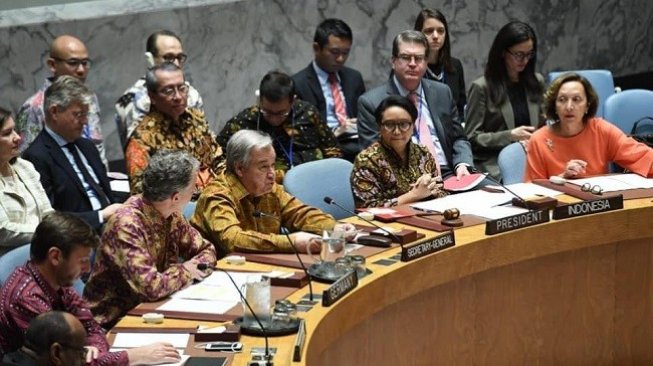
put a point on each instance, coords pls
(331, 201)
(205, 266)
(259, 214)
(519, 198)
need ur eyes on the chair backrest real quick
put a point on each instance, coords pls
(189, 209)
(601, 80)
(625, 108)
(16, 258)
(311, 182)
(512, 163)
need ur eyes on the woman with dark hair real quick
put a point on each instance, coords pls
(441, 66)
(395, 170)
(504, 104)
(578, 144)
(23, 202)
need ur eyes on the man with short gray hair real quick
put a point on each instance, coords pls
(148, 249)
(70, 166)
(226, 207)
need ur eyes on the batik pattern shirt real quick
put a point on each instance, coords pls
(303, 137)
(27, 294)
(157, 131)
(31, 119)
(225, 215)
(141, 259)
(379, 175)
(135, 103)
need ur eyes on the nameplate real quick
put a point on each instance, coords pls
(339, 288)
(515, 222)
(414, 251)
(589, 207)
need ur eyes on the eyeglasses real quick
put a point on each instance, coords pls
(171, 57)
(74, 62)
(521, 56)
(170, 91)
(391, 126)
(83, 351)
(592, 189)
(406, 58)
(267, 113)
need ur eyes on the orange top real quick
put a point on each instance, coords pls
(599, 143)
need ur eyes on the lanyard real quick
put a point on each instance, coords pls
(419, 115)
(288, 153)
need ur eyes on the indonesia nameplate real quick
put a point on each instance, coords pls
(414, 251)
(515, 222)
(339, 288)
(583, 208)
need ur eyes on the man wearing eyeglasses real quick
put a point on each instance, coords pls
(170, 124)
(68, 56)
(438, 125)
(331, 86)
(298, 133)
(161, 46)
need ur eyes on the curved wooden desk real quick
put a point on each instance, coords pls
(573, 292)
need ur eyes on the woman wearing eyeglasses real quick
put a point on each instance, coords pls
(578, 144)
(395, 170)
(504, 104)
(441, 66)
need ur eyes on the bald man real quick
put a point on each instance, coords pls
(68, 56)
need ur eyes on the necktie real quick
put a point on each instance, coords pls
(338, 103)
(423, 130)
(102, 197)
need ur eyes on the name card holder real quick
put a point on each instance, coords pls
(583, 208)
(515, 222)
(339, 289)
(300, 340)
(411, 252)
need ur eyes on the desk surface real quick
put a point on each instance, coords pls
(574, 291)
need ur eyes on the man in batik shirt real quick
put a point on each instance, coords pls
(295, 126)
(68, 56)
(60, 253)
(148, 249)
(171, 125)
(226, 208)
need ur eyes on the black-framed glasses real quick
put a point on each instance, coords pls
(594, 189)
(83, 351)
(171, 57)
(267, 113)
(407, 58)
(522, 56)
(170, 91)
(74, 62)
(391, 126)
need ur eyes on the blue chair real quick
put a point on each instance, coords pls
(311, 182)
(189, 210)
(625, 108)
(601, 80)
(512, 163)
(17, 257)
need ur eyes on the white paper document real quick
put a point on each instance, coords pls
(467, 203)
(619, 182)
(132, 340)
(198, 306)
(119, 185)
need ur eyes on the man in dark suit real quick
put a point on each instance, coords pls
(437, 113)
(325, 81)
(72, 173)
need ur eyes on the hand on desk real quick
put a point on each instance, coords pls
(574, 168)
(301, 240)
(153, 354)
(348, 229)
(191, 266)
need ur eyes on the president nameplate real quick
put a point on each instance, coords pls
(414, 251)
(589, 207)
(339, 288)
(515, 222)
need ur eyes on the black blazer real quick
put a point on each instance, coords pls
(307, 86)
(456, 82)
(61, 183)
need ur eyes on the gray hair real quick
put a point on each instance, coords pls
(410, 36)
(169, 171)
(151, 81)
(64, 91)
(241, 144)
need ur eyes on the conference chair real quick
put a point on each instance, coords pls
(189, 210)
(512, 163)
(311, 182)
(601, 80)
(17, 257)
(625, 108)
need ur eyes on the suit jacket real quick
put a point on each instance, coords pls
(61, 183)
(456, 82)
(307, 86)
(488, 125)
(443, 113)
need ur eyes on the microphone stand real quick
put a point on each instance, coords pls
(259, 214)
